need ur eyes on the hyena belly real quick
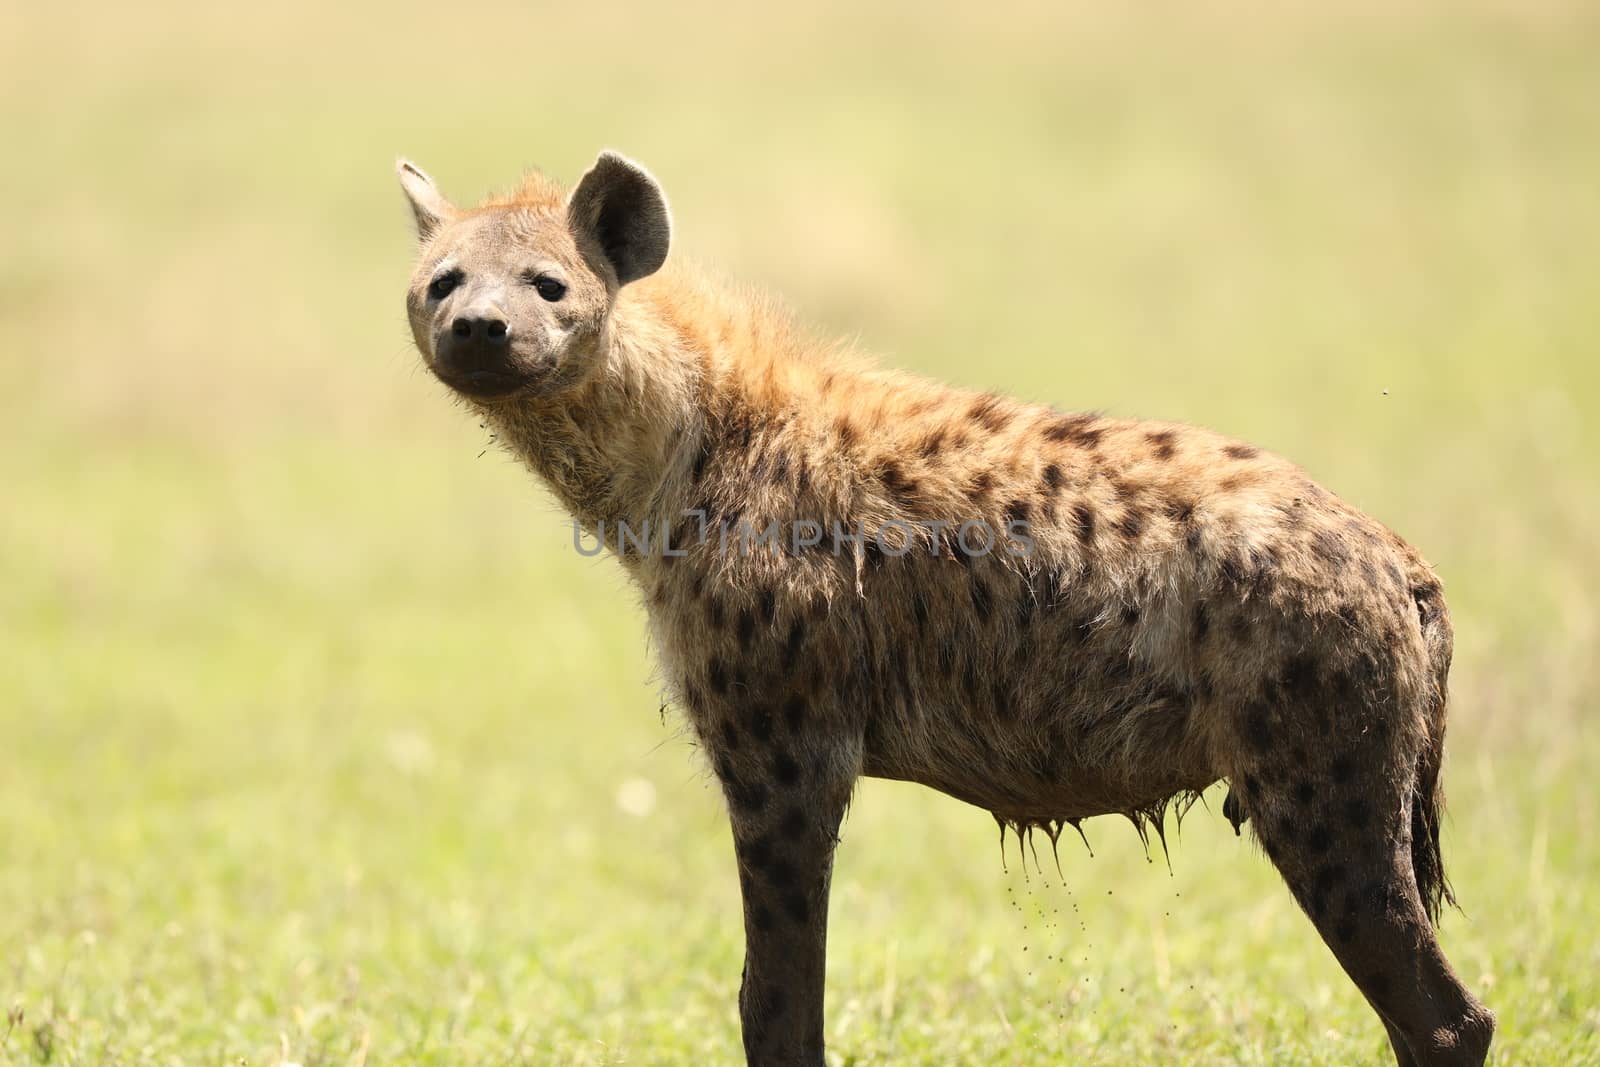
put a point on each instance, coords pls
(1024, 693)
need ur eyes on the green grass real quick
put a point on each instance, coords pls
(313, 728)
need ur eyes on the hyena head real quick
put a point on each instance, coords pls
(513, 297)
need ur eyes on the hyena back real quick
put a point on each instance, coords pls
(1051, 616)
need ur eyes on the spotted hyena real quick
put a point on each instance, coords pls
(852, 571)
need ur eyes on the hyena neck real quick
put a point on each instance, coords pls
(621, 448)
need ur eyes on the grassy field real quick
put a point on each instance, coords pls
(319, 744)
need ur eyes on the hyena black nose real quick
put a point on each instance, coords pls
(481, 327)
(475, 356)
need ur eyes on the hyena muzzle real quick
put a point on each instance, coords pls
(851, 571)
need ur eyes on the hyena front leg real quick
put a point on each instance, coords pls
(788, 777)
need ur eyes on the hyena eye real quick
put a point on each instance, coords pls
(444, 285)
(549, 288)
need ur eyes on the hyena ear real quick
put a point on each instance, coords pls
(622, 208)
(427, 203)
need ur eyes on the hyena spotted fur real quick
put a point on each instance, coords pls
(1188, 608)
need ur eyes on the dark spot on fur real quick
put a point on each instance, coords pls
(797, 906)
(1077, 429)
(1378, 900)
(1163, 444)
(989, 412)
(782, 874)
(1299, 677)
(786, 769)
(745, 796)
(1328, 876)
(1052, 476)
(1121, 489)
(930, 444)
(761, 722)
(904, 489)
(1358, 813)
(1304, 792)
(762, 917)
(1130, 616)
(746, 629)
(1343, 768)
(1242, 451)
(1131, 525)
(794, 824)
(1320, 838)
(1235, 482)
(1258, 728)
(757, 853)
(1018, 510)
(1180, 511)
(1202, 621)
(730, 736)
(1324, 882)
(769, 606)
(795, 638)
(1344, 686)
(717, 675)
(1083, 515)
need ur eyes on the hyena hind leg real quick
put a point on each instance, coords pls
(1339, 830)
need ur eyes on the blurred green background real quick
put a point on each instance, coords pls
(319, 744)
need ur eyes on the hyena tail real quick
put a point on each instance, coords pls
(1427, 793)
